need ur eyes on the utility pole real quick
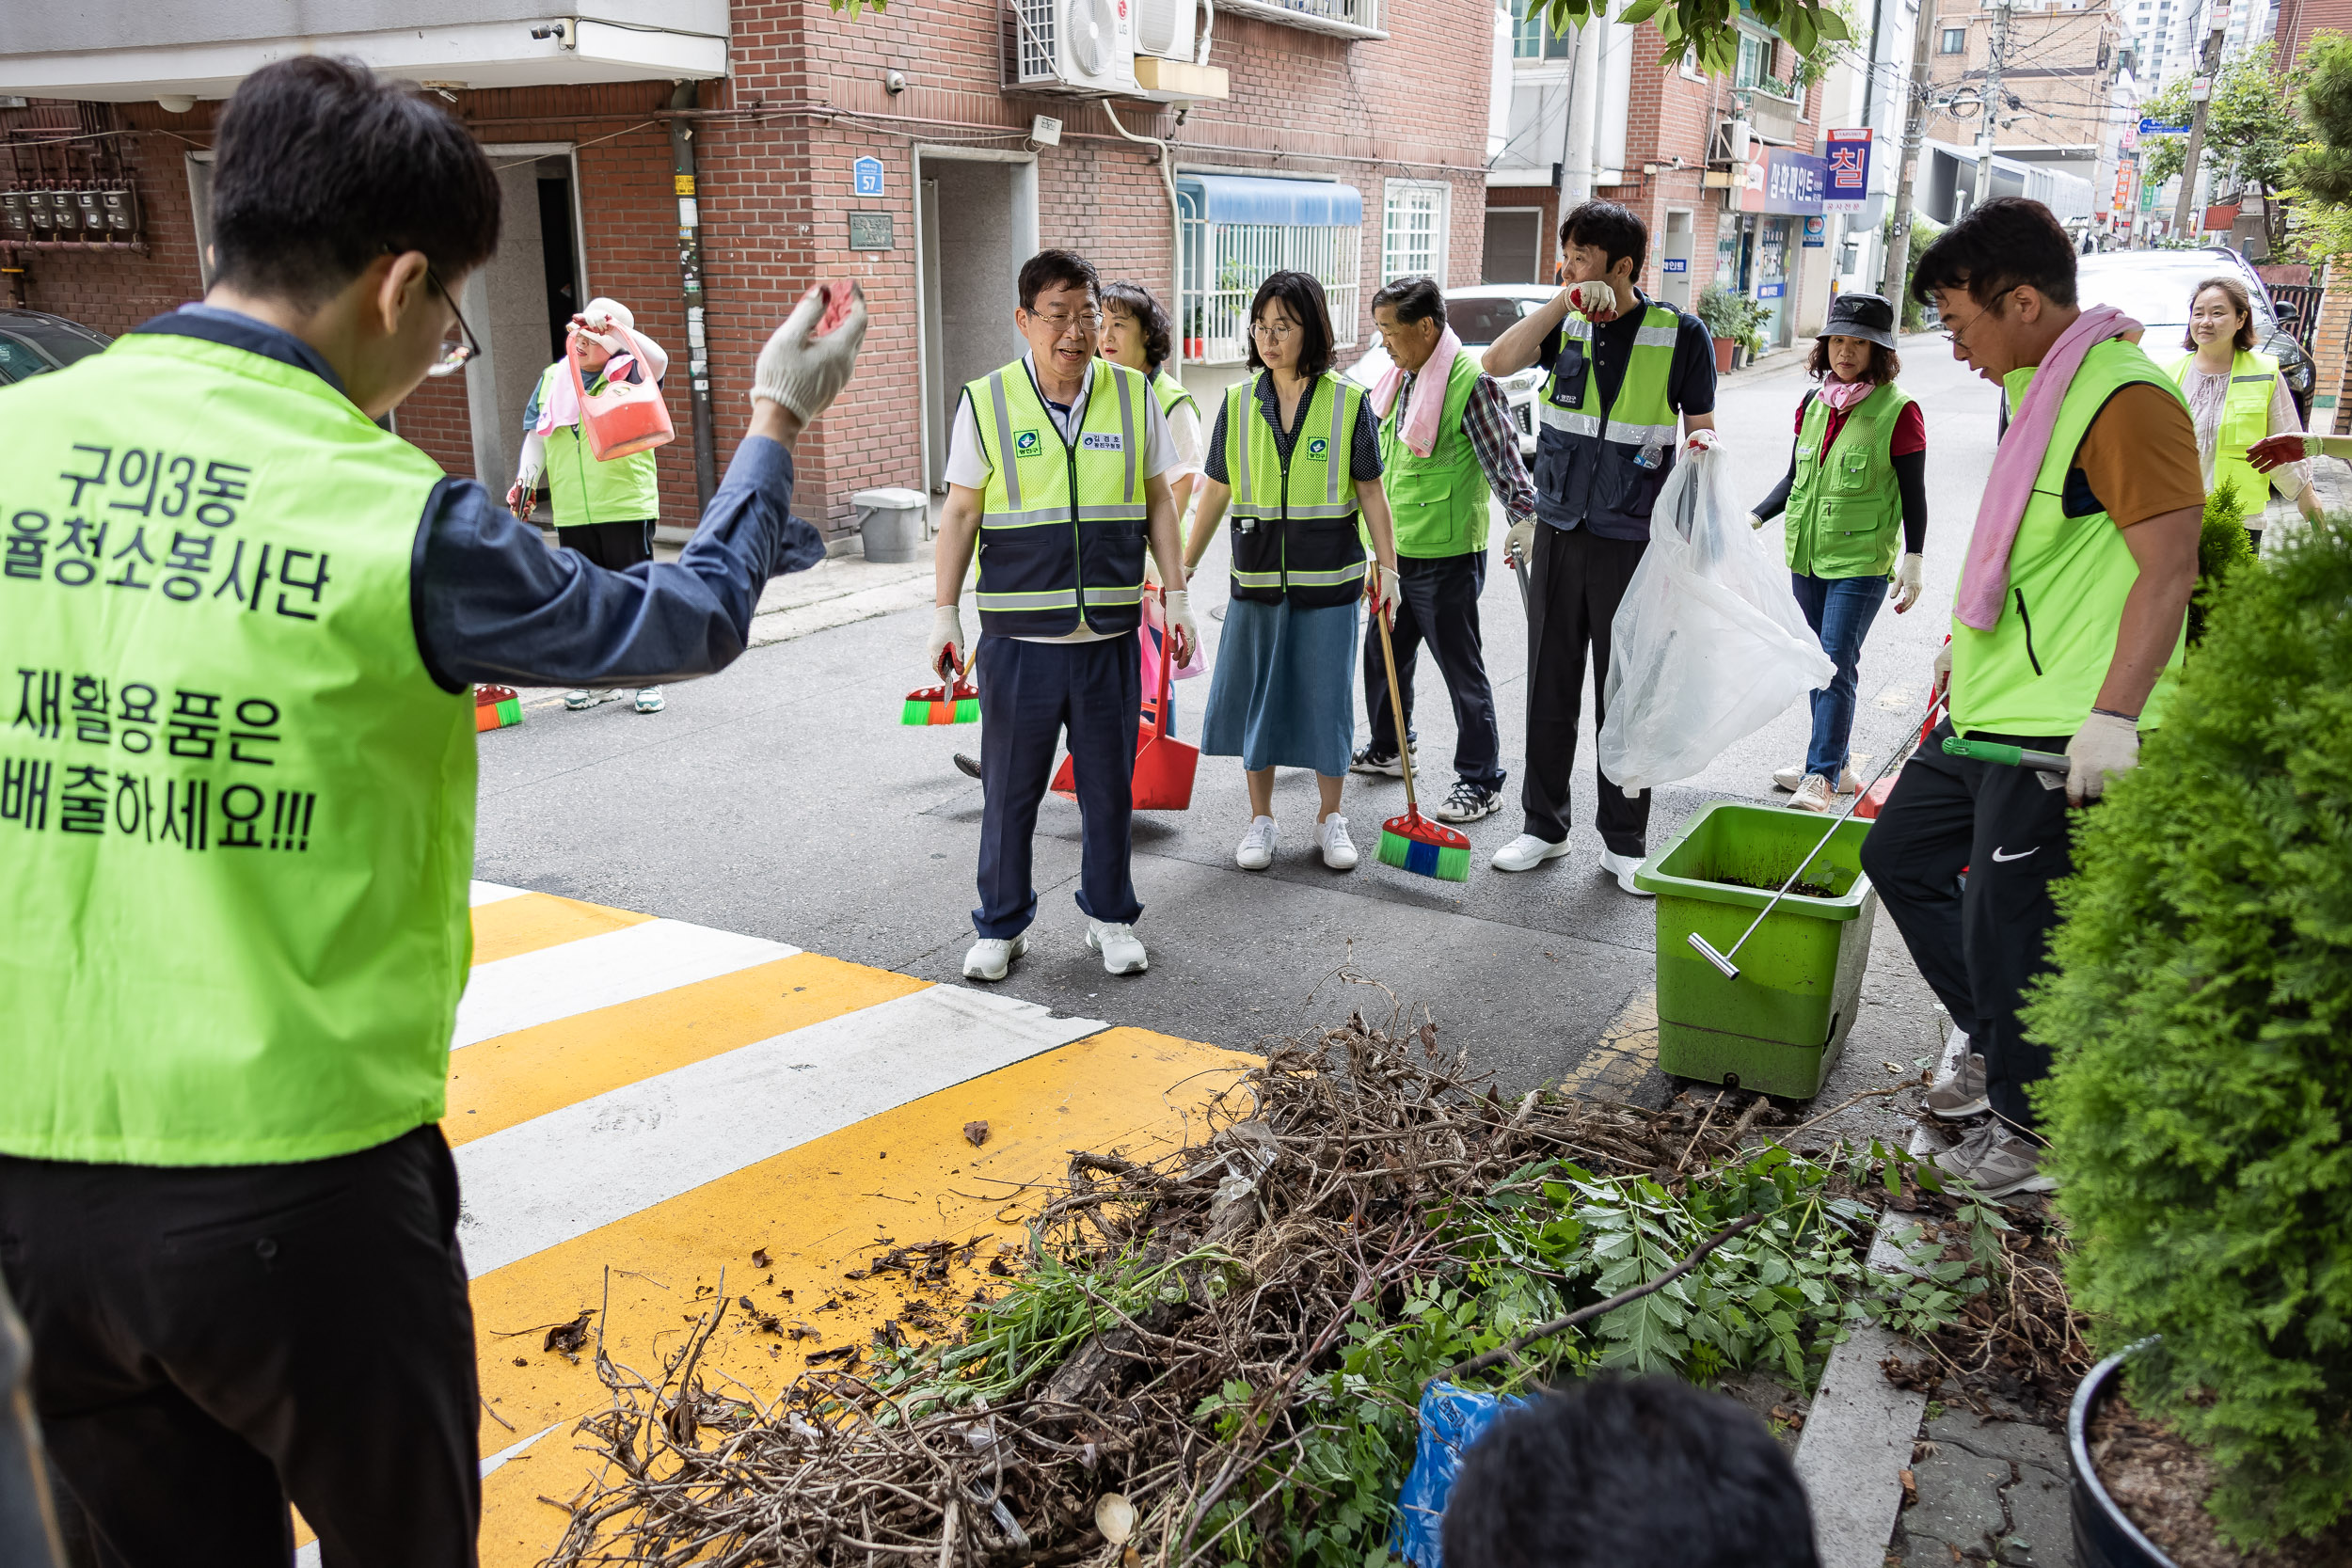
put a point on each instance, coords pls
(1897, 270)
(2209, 63)
(1994, 102)
(690, 267)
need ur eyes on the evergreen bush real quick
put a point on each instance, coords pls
(2200, 1013)
(2221, 548)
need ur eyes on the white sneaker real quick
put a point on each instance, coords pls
(1812, 792)
(1339, 850)
(650, 698)
(1121, 950)
(1791, 777)
(1526, 852)
(582, 700)
(1623, 867)
(991, 957)
(1257, 846)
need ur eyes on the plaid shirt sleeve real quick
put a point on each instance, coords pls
(1486, 421)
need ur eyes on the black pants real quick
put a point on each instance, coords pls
(1979, 947)
(1438, 603)
(614, 547)
(1578, 578)
(212, 1342)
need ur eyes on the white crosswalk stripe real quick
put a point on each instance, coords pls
(602, 971)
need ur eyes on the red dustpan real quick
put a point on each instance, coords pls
(1164, 765)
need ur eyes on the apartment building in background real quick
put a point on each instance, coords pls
(926, 151)
(2062, 110)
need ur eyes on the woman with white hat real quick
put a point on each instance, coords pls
(604, 510)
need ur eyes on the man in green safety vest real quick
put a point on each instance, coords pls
(605, 509)
(1058, 471)
(238, 806)
(2070, 609)
(1625, 379)
(1447, 446)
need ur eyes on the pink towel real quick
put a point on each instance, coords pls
(1421, 421)
(1984, 577)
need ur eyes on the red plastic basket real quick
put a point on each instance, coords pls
(628, 416)
(1164, 765)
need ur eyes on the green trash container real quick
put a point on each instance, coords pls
(1781, 1025)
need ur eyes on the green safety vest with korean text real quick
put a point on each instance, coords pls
(2244, 419)
(1439, 501)
(1062, 522)
(1294, 520)
(2040, 668)
(236, 813)
(582, 491)
(1846, 511)
(1603, 468)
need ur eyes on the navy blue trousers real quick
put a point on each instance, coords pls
(1438, 605)
(1029, 693)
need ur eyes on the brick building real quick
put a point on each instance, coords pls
(902, 148)
(2065, 101)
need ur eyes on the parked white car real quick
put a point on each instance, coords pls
(1478, 317)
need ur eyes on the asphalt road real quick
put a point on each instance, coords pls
(782, 799)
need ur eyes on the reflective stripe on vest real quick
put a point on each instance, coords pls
(239, 813)
(2037, 671)
(1642, 415)
(1036, 580)
(2244, 419)
(1293, 533)
(582, 492)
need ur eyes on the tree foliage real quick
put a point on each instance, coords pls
(1705, 26)
(2199, 1009)
(2251, 127)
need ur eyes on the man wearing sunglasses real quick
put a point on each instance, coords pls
(240, 810)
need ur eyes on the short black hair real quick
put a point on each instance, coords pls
(1413, 299)
(1633, 1473)
(319, 168)
(1137, 301)
(1614, 229)
(1057, 269)
(2010, 242)
(1303, 297)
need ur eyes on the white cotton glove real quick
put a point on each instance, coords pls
(1942, 669)
(2107, 744)
(1519, 543)
(802, 375)
(1755, 520)
(1380, 591)
(1698, 441)
(946, 642)
(1907, 575)
(1179, 611)
(1594, 299)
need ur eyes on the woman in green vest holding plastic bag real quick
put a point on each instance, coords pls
(1295, 452)
(1856, 486)
(2236, 399)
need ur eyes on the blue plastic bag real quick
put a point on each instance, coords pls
(1451, 1420)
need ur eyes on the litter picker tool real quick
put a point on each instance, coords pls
(1412, 842)
(2008, 757)
(1518, 571)
(1722, 960)
(954, 701)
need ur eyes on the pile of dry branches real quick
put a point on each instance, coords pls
(1238, 1261)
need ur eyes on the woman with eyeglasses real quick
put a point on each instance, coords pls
(604, 510)
(2236, 399)
(1296, 456)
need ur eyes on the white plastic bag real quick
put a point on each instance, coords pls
(1708, 644)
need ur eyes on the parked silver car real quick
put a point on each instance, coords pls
(2154, 287)
(33, 341)
(1478, 317)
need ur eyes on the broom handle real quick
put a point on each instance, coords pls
(1168, 654)
(1396, 708)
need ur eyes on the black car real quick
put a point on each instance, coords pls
(2154, 287)
(32, 342)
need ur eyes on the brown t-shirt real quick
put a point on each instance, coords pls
(2138, 458)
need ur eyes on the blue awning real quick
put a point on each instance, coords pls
(1298, 203)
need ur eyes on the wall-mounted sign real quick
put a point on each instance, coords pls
(1771, 291)
(1849, 160)
(872, 231)
(866, 177)
(1673, 264)
(1815, 234)
(1781, 180)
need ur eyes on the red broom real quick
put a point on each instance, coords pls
(955, 701)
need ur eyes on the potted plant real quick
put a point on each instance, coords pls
(1725, 317)
(2200, 1110)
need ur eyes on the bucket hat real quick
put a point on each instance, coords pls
(1865, 316)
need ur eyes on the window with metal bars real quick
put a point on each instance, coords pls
(1224, 263)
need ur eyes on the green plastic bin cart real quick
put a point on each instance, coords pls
(1781, 1025)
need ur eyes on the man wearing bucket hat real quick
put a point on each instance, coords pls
(1856, 485)
(604, 510)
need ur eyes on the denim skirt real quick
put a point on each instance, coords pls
(1283, 691)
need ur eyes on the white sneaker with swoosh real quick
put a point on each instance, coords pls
(1999, 859)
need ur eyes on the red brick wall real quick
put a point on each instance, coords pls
(112, 292)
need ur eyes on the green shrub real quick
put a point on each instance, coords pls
(1729, 314)
(2221, 548)
(2200, 1012)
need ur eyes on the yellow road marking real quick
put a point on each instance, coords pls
(1622, 1056)
(907, 1174)
(511, 1078)
(538, 920)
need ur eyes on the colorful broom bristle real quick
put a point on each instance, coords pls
(934, 705)
(495, 708)
(1413, 842)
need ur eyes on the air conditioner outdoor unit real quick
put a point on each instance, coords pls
(1165, 28)
(1071, 45)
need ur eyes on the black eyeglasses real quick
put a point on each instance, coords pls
(454, 356)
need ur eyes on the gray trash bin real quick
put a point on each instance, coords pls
(891, 521)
